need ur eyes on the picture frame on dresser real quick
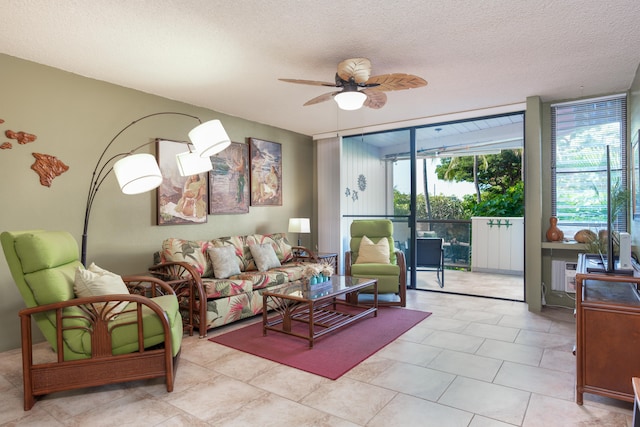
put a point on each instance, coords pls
(181, 199)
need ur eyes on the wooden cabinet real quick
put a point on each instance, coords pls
(607, 333)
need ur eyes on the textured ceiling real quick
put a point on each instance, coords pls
(228, 56)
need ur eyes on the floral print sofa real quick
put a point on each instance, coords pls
(207, 301)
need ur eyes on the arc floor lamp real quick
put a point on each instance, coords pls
(138, 173)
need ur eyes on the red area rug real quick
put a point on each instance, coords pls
(333, 354)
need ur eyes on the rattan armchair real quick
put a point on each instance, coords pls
(94, 344)
(391, 275)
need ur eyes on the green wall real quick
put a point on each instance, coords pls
(538, 207)
(74, 118)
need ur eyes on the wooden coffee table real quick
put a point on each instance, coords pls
(315, 306)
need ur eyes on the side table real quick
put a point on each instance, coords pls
(303, 254)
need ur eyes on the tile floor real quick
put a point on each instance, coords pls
(475, 362)
(465, 282)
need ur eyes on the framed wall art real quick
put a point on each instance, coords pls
(229, 180)
(181, 199)
(266, 172)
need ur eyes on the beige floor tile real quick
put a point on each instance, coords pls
(558, 360)
(563, 328)
(414, 380)
(478, 316)
(524, 321)
(545, 340)
(480, 421)
(416, 334)
(288, 382)
(204, 352)
(149, 412)
(406, 410)
(410, 352)
(438, 309)
(545, 411)
(219, 397)
(454, 341)
(518, 353)
(441, 323)
(189, 375)
(608, 403)
(494, 332)
(467, 365)
(67, 404)
(242, 366)
(538, 380)
(276, 411)
(349, 399)
(183, 420)
(490, 400)
(370, 368)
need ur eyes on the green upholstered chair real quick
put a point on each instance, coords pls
(93, 344)
(392, 277)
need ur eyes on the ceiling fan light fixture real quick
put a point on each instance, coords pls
(351, 100)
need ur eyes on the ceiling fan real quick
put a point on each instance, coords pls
(358, 88)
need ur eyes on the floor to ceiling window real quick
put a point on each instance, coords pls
(430, 181)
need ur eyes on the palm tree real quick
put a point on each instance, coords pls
(453, 164)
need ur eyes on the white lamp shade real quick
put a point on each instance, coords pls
(351, 100)
(137, 173)
(209, 138)
(192, 164)
(299, 225)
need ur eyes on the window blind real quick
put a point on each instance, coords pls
(580, 133)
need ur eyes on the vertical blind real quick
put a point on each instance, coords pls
(580, 134)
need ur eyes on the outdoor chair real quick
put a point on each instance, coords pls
(430, 256)
(388, 268)
(97, 340)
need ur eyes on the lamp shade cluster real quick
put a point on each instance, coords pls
(137, 173)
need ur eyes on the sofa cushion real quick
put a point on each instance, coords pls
(225, 263)
(265, 256)
(369, 252)
(280, 244)
(242, 253)
(96, 281)
(293, 270)
(193, 252)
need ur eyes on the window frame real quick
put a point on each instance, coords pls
(587, 113)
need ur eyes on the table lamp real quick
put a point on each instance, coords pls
(299, 225)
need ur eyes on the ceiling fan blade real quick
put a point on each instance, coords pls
(375, 98)
(309, 82)
(321, 98)
(358, 68)
(396, 81)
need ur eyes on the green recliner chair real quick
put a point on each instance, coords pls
(97, 339)
(392, 276)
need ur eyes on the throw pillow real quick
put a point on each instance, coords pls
(264, 256)
(97, 281)
(373, 253)
(225, 263)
